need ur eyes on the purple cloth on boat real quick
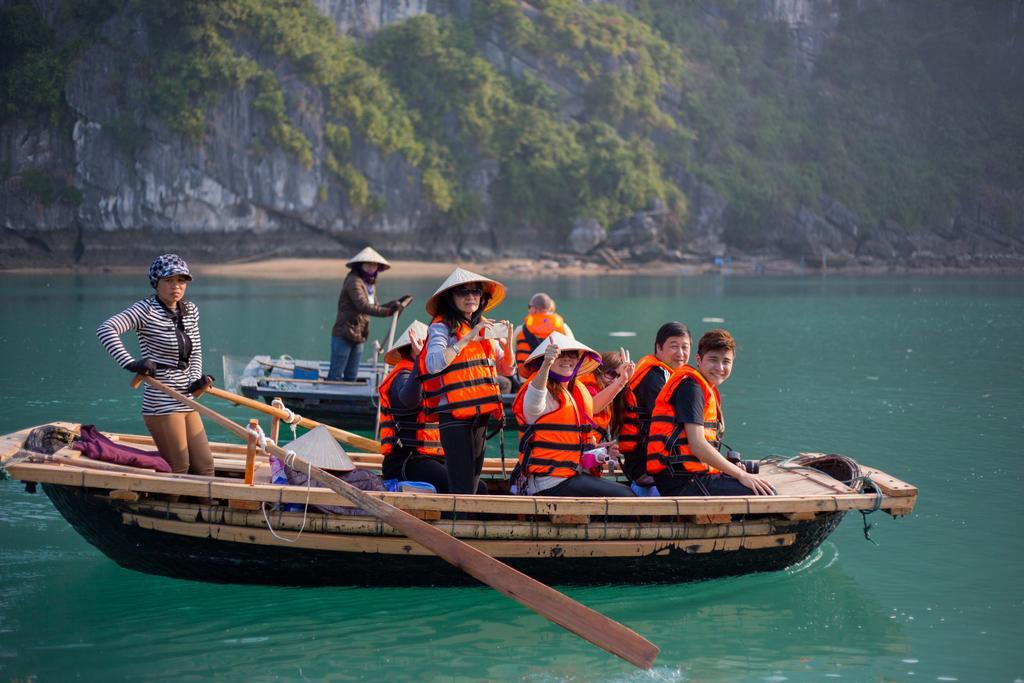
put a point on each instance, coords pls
(361, 479)
(98, 447)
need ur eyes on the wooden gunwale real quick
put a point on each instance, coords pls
(528, 505)
(495, 548)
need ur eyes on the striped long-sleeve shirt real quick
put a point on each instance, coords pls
(172, 342)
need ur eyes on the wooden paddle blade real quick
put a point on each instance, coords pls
(592, 626)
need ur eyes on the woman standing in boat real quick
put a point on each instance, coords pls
(356, 303)
(557, 416)
(459, 366)
(168, 330)
(410, 442)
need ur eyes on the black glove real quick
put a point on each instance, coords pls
(201, 384)
(142, 367)
(394, 306)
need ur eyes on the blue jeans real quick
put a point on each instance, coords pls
(345, 357)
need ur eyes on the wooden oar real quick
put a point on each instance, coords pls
(592, 626)
(376, 372)
(354, 440)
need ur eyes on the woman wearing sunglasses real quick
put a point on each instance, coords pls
(605, 385)
(459, 367)
(556, 414)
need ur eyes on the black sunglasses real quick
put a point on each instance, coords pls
(468, 291)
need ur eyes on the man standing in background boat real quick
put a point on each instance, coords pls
(671, 351)
(356, 303)
(540, 321)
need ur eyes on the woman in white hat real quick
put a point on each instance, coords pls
(168, 329)
(556, 414)
(356, 303)
(459, 368)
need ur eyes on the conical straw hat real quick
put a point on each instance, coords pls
(591, 358)
(320, 449)
(369, 255)
(461, 276)
(393, 356)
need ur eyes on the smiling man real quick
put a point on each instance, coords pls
(687, 425)
(671, 351)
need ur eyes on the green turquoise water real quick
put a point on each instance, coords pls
(921, 377)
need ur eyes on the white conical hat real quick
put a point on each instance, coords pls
(591, 358)
(369, 255)
(322, 450)
(393, 355)
(460, 276)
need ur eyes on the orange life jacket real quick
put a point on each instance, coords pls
(469, 384)
(636, 419)
(552, 446)
(536, 328)
(603, 418)
(405, 427)
(667, 445)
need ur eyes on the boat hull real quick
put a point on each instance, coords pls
(114, 528)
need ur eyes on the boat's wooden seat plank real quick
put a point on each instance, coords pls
(801, 481)
(889, 485)
(500, 549)
(11, 444)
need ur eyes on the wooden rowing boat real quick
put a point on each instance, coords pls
(243, 536)
(302, 387)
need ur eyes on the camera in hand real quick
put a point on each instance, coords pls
(496, 331)
(751, 466)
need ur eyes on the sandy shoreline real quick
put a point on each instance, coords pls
(292, 269)
(334, 269)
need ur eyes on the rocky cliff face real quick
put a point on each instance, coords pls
(363, 18)
(107, 183)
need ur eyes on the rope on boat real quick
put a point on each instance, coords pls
(857, 481)
(291, 419)
(865, 481)
(289, 461)
(261, 438)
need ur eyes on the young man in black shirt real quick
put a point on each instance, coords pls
(687, 425)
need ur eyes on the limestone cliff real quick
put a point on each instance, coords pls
(566, 127)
